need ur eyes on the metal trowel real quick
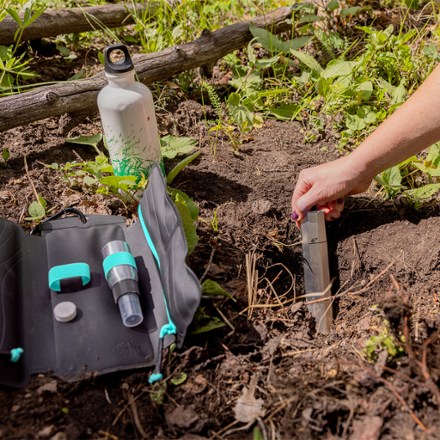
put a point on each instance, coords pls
(316, 270)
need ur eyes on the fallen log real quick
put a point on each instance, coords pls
(55, 22)
(80, 96)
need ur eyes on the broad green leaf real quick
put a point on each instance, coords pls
(171, 146)
(431, 171)
(268, 40)
(351, 11)
(307, 60)
(181, 165)
(90, 181)
(125, 183)
(433, 157)
(390, 180)
(42, 201)
(323, 86)
(366, 114)
(355, 123)
(295, 43)
(392, 176)
(399, 94)
(192, 207)
(189, 227)
(246, 81)
(92, 140)
(425, 192)
(309, 18)
(406, 37)
(332, 5)
(364, 90)
(336, 68)
(14, 15)
(214, 324)
(212, 288)
(286, 112)
(179, 378)
(241, 111)
(36, 210)
(264, 63)
(386, 85)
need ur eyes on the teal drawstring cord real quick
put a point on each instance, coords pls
(170, 327)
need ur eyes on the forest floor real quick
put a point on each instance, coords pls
(385, 257)
(385, 260)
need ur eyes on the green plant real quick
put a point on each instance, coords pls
(383, 341)
(214, 221)
(212, 288)
(157, 392)
(203, 322)
(14, 67)
(37, 209)
(5, 155)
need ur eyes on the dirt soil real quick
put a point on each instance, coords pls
(385, 258)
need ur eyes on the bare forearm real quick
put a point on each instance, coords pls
(412, 128)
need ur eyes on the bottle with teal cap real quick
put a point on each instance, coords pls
(128, 117)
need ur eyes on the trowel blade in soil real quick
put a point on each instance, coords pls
(316, 269)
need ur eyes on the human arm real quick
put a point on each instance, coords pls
(413, 127)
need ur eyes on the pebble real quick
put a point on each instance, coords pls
(46, 431)
(50, 387)
(59, 436)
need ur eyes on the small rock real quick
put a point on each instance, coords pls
(182, 417)
(261, 206)
(50, 387)
(367, 428)
(59, 436)
(46, 432)
(15, 408)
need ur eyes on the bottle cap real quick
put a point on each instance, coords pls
(124, 65)
(65, 311)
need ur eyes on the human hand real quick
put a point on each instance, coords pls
(325, 187)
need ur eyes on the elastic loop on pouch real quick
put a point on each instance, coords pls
(66, 271)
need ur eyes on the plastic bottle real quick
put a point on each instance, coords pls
(128, 118)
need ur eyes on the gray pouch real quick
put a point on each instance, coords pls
(95, 341)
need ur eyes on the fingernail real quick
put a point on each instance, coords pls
(294, 216)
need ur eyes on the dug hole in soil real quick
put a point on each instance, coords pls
(385, 258)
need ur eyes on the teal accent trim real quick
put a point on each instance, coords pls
(16, 354)
(66, 271)
(148, 237)
(118, 259)
(171, 330)
(155, 377)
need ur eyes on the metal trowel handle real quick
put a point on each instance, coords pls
(316, 269)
